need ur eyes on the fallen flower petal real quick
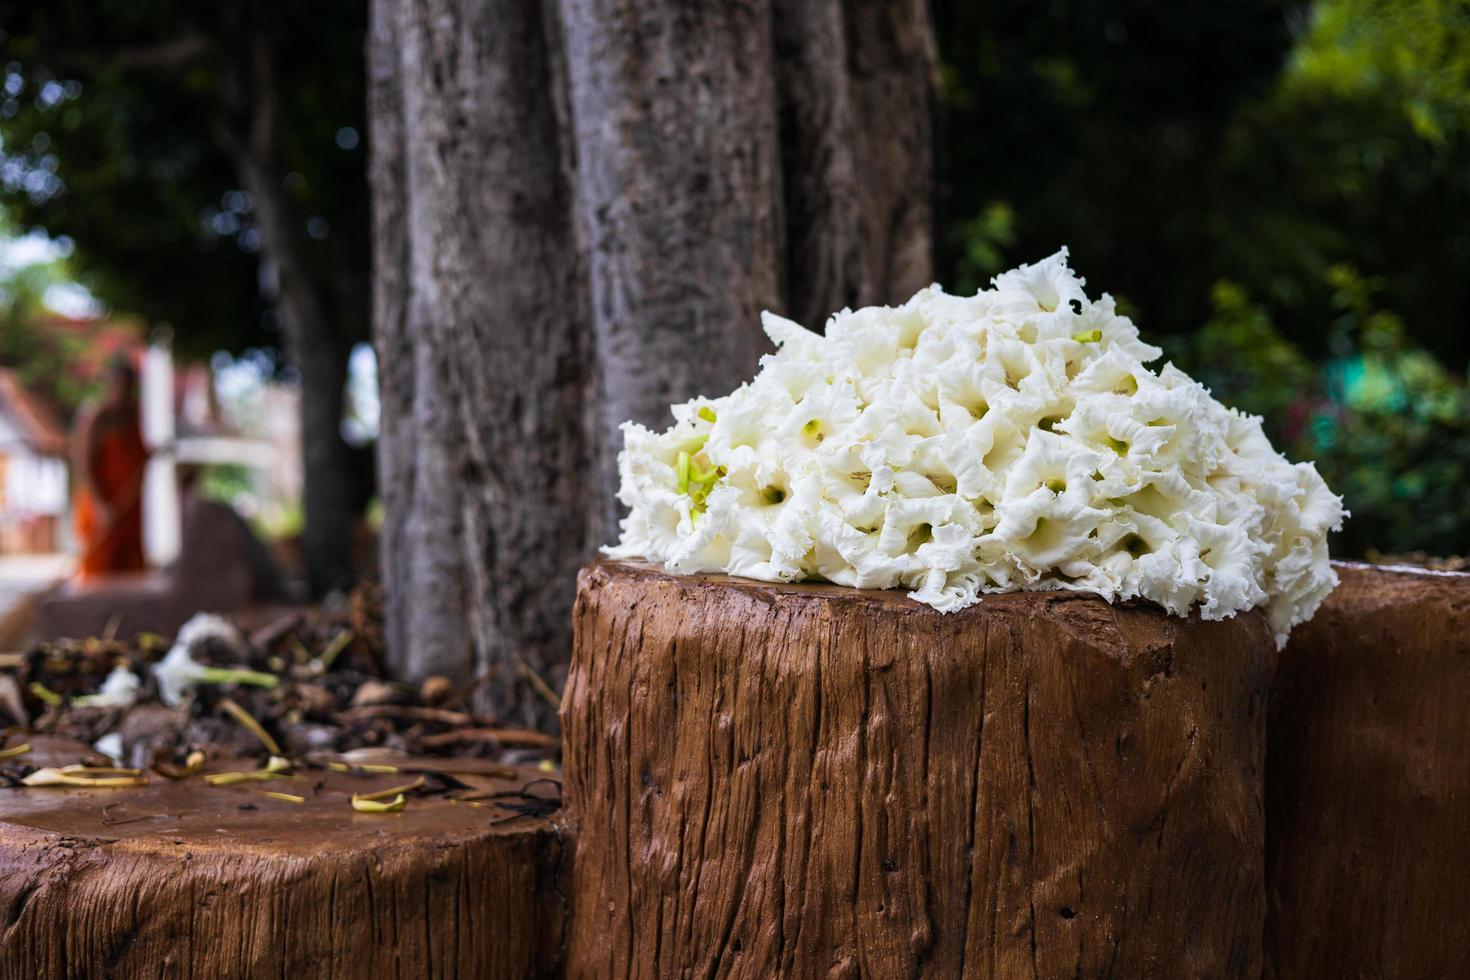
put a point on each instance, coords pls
(364, 805)
(51, 776)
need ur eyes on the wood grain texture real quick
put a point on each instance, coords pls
(1368, 783)
(808, 781)
(177, 880)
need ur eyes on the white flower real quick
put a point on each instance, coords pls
(119, 690)
(111, 745)
(1047, 286)
(178, 672)
(208, 626)
(957, 445)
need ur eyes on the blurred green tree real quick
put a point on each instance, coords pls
(1262, 141)
(1260, 182)
(1099, 126)
(206, 161)
(42, 358)
(1386, 423)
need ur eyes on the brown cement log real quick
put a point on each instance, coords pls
(180, 879)
(810, 781)
(1368, 783)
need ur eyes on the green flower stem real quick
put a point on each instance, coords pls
(45, 693)
(226, 675)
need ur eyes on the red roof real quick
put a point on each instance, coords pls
(37, 423)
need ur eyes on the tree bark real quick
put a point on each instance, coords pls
(893, 64)
(856, 93)
(581, 212)
(678, 174)
(490, 298)
(1368, 784)
(421, 542)
(182, 879)
(771, 780)
(312, 345)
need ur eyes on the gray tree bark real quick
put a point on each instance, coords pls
(582, 208)
(857, 85)
(480, 291)
(893, 67)
(421, 548)
(679, 190)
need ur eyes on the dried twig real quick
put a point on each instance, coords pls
(542, 688)
(409, 712)
(524, 737)
(251, 725)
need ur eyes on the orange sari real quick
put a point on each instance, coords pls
(118, 465)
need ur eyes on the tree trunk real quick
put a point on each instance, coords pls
(312, 345)
(1368, 784)
(480, 279)
(772, 780)
(679, 191)
(893, 63)
(329, 484)
(421, 542)
(580, 213)
(856, 87)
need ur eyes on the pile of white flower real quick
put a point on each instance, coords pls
(959, 445)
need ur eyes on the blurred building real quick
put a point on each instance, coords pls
(33, 471)
(252, 437)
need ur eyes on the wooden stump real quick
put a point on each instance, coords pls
(775, 780)
(1368, 783)
(179, 879)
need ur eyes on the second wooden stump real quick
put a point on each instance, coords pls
(808, 781)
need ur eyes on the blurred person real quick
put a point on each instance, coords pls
(108, 461)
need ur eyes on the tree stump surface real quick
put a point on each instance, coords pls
(1368, 783)
(798, 780)
(179, 879)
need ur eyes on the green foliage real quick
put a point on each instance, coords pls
(1386, 423)
(43, 359)
(985, 240)
(1415, 53)
(112, 132)
(1261, 181)
(1239, 351)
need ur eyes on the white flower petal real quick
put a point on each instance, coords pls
(957, 445)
